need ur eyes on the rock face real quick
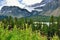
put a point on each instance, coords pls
(14, 11)
(54, 8)
(51, 7)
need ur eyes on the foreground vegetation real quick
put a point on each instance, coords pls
(19, 34)
(23, 29)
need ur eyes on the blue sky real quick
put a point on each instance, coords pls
(0, 0)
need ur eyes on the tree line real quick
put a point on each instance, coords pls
(24, 23)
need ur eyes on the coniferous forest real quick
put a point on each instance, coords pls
(24, 29)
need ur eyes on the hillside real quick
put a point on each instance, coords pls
(55, 12)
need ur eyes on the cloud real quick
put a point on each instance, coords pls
(19, 3)
(30, 2)
(2, 3)
(14, 3)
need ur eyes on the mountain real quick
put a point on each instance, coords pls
(14, 11)
(39, 4)
(45, 8)
(55, 12)
(51, 7)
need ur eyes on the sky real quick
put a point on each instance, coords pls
(19, 3)
(14, 3)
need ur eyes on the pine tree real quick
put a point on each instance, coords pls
(58, 25)
(51, 30)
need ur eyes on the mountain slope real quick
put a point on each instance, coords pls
(51, 8)
(56, 12)
(14, 11)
